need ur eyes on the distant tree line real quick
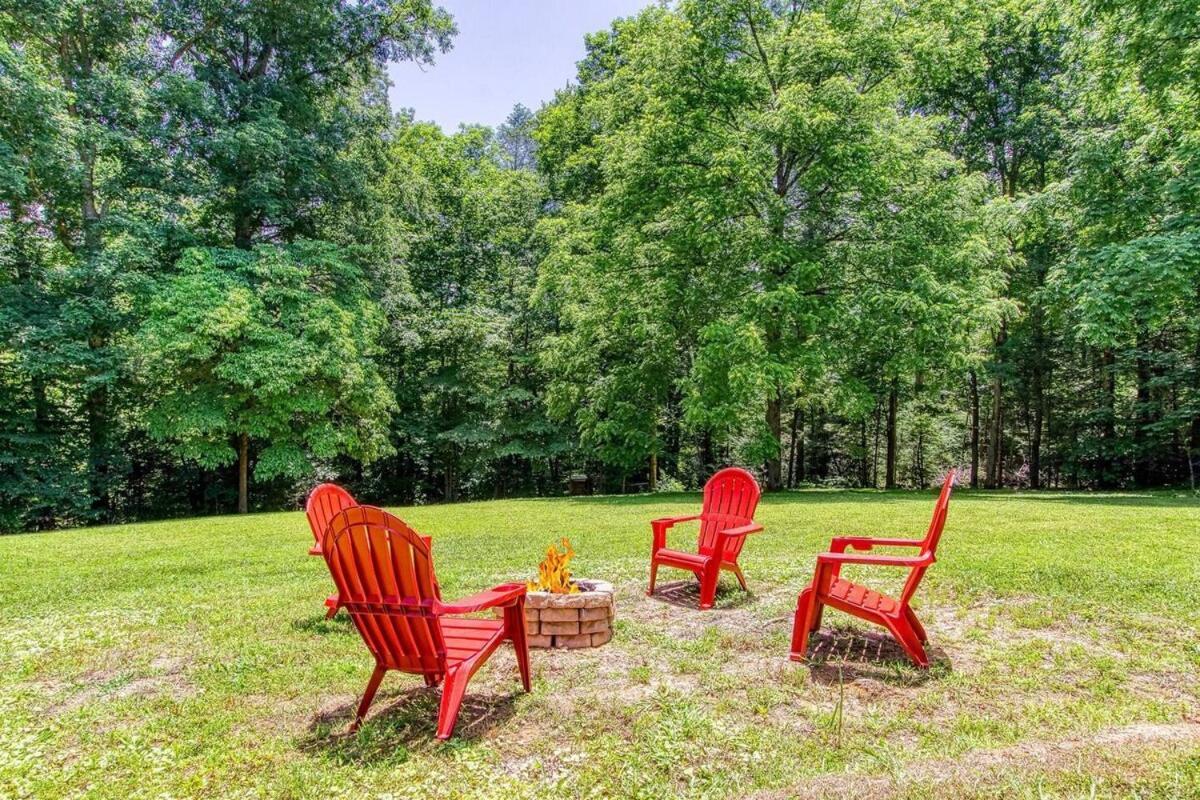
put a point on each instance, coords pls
(846, 243)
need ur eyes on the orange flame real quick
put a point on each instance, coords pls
(553, 574)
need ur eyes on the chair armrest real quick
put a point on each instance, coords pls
(659, 528)
(505, 594)
(666, 522)
(840, 543)
(753, 527)
(879, 561)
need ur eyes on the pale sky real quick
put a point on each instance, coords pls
(506, 52)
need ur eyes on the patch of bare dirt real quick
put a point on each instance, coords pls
(675, 608)
(991, 765)
(168, 678)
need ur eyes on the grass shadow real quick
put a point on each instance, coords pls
(686, 594)
(318, 624)
(847, 655)
(401, 724)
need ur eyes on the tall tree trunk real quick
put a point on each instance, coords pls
(778, 227)
(995, 477)
(653, 471)
(919, 460)
(75, 59)
(775, 426)
(42, 515)
(1193, 451)
(1108, 422)
(672, 437)
(864, 467)
(1193, 448)
(243, 473)
(794, 447)
(889, 480)
(243, 232)
(707, 458)
(449, 484)
(96, 405)
(1035, 436)
(973, 382)
(801, 474)
(876, 414)
(1143, 443)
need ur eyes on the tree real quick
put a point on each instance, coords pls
(260, 102)
(993, 68)
(1131, 283)
(77, 199)
(515, 138)
(749, 157)
(463, 334)
(269, 350)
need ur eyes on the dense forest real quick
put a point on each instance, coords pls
(846, 243)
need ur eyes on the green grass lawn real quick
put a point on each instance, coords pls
(191, 658)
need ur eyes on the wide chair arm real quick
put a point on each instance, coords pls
(743, 530)
(658, 528)
(666, 522)
(506, 594)
(841, 543)
(838, 559)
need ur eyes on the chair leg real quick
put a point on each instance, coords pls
(332, 604)
(802, 626)
(741, 578)
(514, 623)
(653, 576)
(453, 688)
(818, 612)
(918, 629)
(708, 583)
(907, 638)
(431, 680)
(368, 696)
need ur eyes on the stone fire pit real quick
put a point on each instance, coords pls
(583, 619)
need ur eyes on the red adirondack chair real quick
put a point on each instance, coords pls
(384, 575)
(726, 518)
(323, 505)
(830, 589)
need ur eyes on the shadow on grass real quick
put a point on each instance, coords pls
(402, 723)
(317, 623)
(686, 594)
(846, 655)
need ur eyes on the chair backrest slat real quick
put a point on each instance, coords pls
(730, 499)
(323, 504)
(932, 535)
(384, 574)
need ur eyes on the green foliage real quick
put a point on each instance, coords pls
(275, 343)
(462, 339)
(760, 189)
(850, 243)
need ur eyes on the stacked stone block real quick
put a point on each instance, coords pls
(583, 619)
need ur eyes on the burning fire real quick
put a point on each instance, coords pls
(553, 575)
